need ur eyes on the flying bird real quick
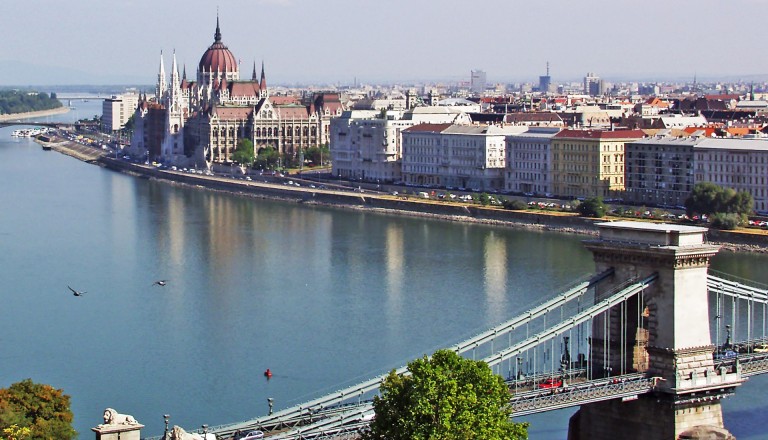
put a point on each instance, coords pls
(76, 292)
(160, 283)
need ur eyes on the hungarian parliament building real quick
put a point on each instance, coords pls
(199, 123)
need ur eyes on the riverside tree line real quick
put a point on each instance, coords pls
(17, 101)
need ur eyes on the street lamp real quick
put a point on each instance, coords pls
(166, 417)
(270, 402)
(205, 432)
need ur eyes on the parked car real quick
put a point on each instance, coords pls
(252, 435)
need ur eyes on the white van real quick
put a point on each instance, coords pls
(423, 195)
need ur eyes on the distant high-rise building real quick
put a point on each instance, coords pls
(117, 110)
(477, 82)
(545, 82)
(593, 85)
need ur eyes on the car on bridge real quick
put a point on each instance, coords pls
(726, 354)
(251, 435)
(551, 382)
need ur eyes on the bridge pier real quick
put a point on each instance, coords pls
(664, 333)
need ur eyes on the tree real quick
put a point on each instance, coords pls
(267, 158)
(592, 207)
(515, 204)
(446, 397)
(13, 432)
(485, 199)
(317, 155)
(41, 408)
(244, 154)
(708, 198)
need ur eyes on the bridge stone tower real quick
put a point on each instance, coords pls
(669, 338)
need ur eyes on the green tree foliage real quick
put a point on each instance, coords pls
(484, 199)
(244, 152)
(16, 101)
(266, 159)
(446, 397)
(41, 408)
(708, 198)
(515, 205)
(593, 207)
(318, 155)
(729, 221)
(14, 432)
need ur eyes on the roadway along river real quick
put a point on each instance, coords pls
(324, 298)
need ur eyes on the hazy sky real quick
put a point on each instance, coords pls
(336, 41)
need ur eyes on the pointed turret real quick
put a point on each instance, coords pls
(263, 82)
(253, 75)
(174, 73)
(217, 34)
(161, 84)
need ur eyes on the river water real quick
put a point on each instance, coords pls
(324, 298)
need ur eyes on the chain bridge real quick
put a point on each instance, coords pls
(647, 346)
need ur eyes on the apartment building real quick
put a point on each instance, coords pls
(529, 161)
(116, 111)
(590, 163)
(740, 164)
(456, 156)
(659, 170)
(367, 144)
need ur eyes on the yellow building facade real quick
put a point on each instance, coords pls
(590, 163)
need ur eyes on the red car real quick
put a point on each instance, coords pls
(551, 383)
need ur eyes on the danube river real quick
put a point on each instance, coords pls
(324, 298)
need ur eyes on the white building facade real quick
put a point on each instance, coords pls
(367, 144)
(455, 156)
(529, 161)
(116, 111)
(740, 164)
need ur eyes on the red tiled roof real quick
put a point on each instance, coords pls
(707, 130)
(436, 128)
(532, 117)
(246, 88)
(282, 100)
(293, 112)
(233, 113)
(723, 97)
(600, 134)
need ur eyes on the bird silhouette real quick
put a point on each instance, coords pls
(76, 292)
(160, 283)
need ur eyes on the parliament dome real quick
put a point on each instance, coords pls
(218, 58)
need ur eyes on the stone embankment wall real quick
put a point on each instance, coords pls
(532, 220)
(362, 201)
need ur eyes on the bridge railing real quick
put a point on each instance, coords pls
(539, 400)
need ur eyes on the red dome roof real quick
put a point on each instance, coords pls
(218, 57)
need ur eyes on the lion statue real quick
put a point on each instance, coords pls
(112, 417)
(178, 433)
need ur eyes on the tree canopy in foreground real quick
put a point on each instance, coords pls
(445, 397)
(41, 408)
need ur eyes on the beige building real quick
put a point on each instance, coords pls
(117, 110)
(590, 163)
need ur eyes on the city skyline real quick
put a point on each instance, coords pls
(343, 41)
